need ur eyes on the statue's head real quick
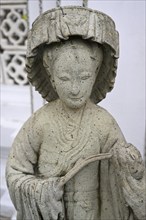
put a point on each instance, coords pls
(73, 66)
(72, 55)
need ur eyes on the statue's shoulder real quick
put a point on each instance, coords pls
(101, 114)
(48, 108)
(43, 115)
(46, 111)
(106, 125)
(104, 119)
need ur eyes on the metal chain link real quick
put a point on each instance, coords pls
(40, 6)
(85, 3)
(58, 3)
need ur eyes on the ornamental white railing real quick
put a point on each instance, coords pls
(13, 34)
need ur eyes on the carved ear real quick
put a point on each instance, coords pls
(47, 58)
(46, 63)
(52, 81)
(98, 68)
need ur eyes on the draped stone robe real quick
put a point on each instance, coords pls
(48, 146)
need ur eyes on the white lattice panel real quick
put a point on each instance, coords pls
(13, 63)
(13, 34)
(13, 28)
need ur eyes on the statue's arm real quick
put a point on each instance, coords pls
(130, 172)
(33, 197)
(129, 168)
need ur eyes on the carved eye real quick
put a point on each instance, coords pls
(85, 77)
(64, 78)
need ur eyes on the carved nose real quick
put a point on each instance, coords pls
(75, 89)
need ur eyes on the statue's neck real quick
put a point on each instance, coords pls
(72, 113)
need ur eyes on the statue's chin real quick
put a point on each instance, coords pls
(75, 104)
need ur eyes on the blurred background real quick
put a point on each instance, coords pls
(18, 99)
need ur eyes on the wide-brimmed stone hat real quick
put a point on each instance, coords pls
(61, 23)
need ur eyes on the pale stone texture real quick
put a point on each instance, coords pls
(70, 159)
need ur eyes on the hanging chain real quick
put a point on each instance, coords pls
(40, 7)
(58, 3)
(85, 3)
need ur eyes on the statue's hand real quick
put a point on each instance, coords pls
(127, 161)
(129, 169)
(51, 201)
(135, 195)
(56, 190)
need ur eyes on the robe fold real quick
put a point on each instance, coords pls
(47, 147)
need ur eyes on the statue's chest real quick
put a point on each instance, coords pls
(62, 148)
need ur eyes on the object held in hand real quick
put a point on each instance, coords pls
(82, 163)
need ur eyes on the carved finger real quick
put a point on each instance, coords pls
(114, 160)
(132, 188)
(135, 185)
(58, 190)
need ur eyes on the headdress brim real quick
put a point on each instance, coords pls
(60, 24)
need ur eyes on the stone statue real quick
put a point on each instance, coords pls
(70, 159)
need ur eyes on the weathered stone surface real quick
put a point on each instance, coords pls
(70, 160)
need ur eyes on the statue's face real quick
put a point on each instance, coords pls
(74, 74)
